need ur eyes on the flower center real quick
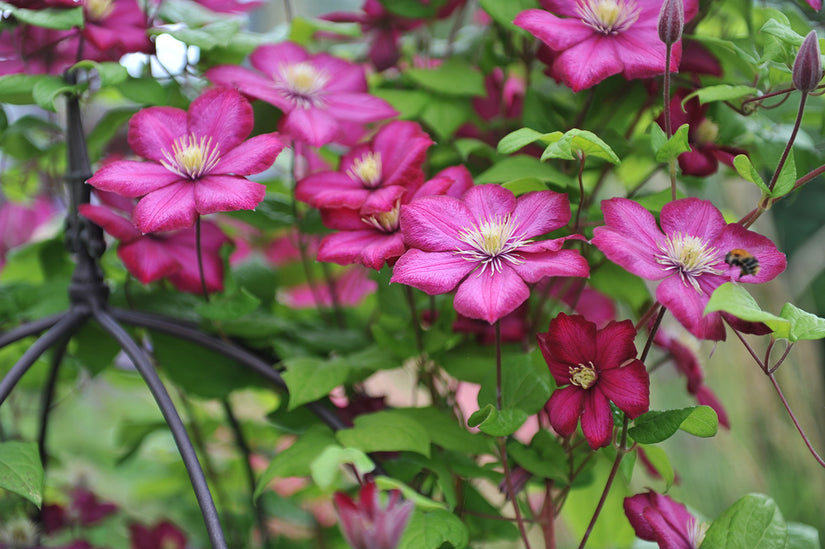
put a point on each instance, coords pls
(191, 156)
(367, 169)
(99, 9)
(386, 222)
(609, 17)
(696, 531)
(690, 256)
(302, 83)
(493, 242)
(583, 375)
(706, 132)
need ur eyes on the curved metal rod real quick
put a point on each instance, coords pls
(191, 333)
(170, 414)
(30, 328)
(48, 396)
(67, 325)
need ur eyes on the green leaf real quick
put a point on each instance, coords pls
(577, 142)
(656, 426)
(445, 431)
(524, 185)
(326, 468)
(218, 34)
(421, 502)
(721, 92)
(658, 458)
(522, 137)
(503, 13)
(143, 91)
(753, 522)
(50, 18)
(525, 384)
(783, 31)
(734, 299)
(786, 179)
(296, 460)
(497, 423)
(110, 73)
(804, 325)
(21, 471)
(545, 457)
(434, 530)
(229, 307)
(413, 9)
(386, 431)
(744, 167)
(453, 77)
(446, 114)
(16, 89)
(311, 378)
(803, 536)
(46, 90)
(522, 166)
(673, 147)
(408, 103)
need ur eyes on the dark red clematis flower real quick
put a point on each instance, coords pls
(591, 368)
(163, 535)
(658, 518)
(367, 524)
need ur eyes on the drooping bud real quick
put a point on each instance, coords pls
(807, 67)
(671, 21)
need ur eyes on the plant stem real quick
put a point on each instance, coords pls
(787, 150)
(508, 481)
(581, 197)
(652, 335)
(666, 113)
(200, 258)
(548, 519)
(785, 403)
(620, 452)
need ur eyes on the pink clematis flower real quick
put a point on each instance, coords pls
(483, 247)
(321, 96)
(704, 155)
(20, 222)
(351, 287)
(163, 535)
(656, 517)
(198, 160)
(687, 255)
(592, 367)
(594, 39)
(374, 175)
(37, 50)
(367, 524)
(815, 4)
(376, 239)
(114, 28)
(150, 257)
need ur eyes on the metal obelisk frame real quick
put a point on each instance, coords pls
(88, 298)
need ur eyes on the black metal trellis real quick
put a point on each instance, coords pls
(88, 298)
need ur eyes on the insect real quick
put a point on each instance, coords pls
(743, 259)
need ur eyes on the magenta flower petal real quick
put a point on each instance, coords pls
(658, 518)
(434, 223)
(367, 247)
(331, 190)
(252, 83)
(630, 238)
(269, 58)
(536, 266)
(772, 262)
(252, 156)
(360, 107)
(564, 409)
(382, 200)
(131, 178)
(313, 126)
(597, 419)
(694, 217)
(172, 207)
(539, 213)
(148, 260)
(226, 193)
(570, 340)
(486, 202)
(489, 296)
(223, 115)
(628, 387)
(688, 307)
(558, 33)
(155, 129)
(403, 146)
(432, 272)
(114, 224)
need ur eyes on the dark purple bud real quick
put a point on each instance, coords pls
(807, 67)
(671, 21)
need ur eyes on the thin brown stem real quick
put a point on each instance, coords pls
(666, 114)
(199, 251)
(791, 140)
(805, 438)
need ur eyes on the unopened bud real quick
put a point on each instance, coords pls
(671, 21)
(807, 67)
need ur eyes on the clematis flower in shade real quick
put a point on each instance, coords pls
(594, 39)
(114, 28)
(704, 155)
(367, 524)
(198, 160)
(483, 247)
(163, 535)
(351, 287)
(656, 517)
(372, 176)
(37, 50)
(592, 367)
(376, 239)
(687, 255)
(320, 95)
(20, 222)
(150, 257)
(815, 4)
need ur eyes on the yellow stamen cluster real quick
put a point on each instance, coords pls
(385, 221)
(583, 375)
(608, 17)
(98, 9)
(302, 83)
(367, 169)
(191, 156)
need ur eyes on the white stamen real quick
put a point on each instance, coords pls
(690, 256)
(493, 242)
(191, 156)
(609, 17)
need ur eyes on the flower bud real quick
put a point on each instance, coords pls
(671, 21)
(807, 67)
